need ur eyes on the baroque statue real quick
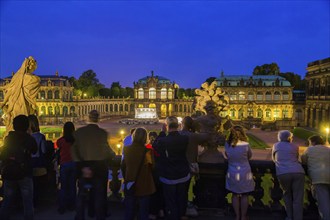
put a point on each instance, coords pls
(210, 101)
(21, 93)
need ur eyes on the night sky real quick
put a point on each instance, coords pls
(184, 41)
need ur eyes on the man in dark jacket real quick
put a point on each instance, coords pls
(18, 147)
(173, 168)
(92, 154)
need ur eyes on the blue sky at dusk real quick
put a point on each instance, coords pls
(184, 41)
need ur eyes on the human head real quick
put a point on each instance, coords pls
(316, 140)
(188, 124)
(132, 130)
(285, 136)
(172, 122)
(236, 134)
(68, 128)
(93, 116)
(34, 123)
(21, 123)
(140, 136)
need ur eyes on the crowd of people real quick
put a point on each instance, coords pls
(157, 169)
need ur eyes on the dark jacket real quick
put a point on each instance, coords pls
(172, 162)
(13, 145)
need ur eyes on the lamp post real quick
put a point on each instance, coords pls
(327, 136)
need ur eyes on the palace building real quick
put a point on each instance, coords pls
(260, 98)
(317, 109)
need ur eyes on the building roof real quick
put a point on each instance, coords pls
(161, 79)
(267, 80)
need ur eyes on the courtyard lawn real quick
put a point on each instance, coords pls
(303, 133)
(256, 143)
(42, 128)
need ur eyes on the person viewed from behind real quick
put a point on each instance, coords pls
(67, 195)
(239, 178)
(92, 154)
(138, 160)
(317, 159)
(39, 161)
(173, 169)
(17, 149)
(157, 199)
(126, 142)
(195, 139)
(290, 174)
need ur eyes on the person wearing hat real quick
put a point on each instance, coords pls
(92, 154)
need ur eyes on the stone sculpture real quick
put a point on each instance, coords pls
(21, 93)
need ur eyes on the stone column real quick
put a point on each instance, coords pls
(311, 117)
(305, 116)
(324, 116)
(317, 118)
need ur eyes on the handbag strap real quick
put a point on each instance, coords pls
(140, 166)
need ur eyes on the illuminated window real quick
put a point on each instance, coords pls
(140, 94)
(268, 96)
(163, 93)
(240, 113)
(50, 110)
(268, 113)
(232, 113)
(285, 96)
(241, 96)
(170, 94)
(250, 112)
(43, 110)
(259, 113)
(152, 105)
(277, 95)
(140, 106)
(259, 96)
(285, 113)
(250, 96)
(232, 96)
(152, 93)
(276, 113)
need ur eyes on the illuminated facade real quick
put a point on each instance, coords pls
(317, 109)
(56, 103)
(260, 99)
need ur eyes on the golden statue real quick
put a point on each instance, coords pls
(21, 93)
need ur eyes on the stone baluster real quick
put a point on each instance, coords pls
(258, 172)
(276, 193)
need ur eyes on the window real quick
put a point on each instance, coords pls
(250, 112)
(163, 93)
(50, 95)
(277, 96)
(268, 96)
(285, 113)
(250, 96)
(232, 113)
(232, 96)
(42, 94)
(170, 94)
(285, 96)
(241, 96)
(152, 93)
(268, 113)
(276, 113)
(240, 113)
(140, 94)
(57, 94)
(259, 113)
(50, 110)
(259, 96)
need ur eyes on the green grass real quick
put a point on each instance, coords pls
(303, 133)
(256, 143)
(42, 128)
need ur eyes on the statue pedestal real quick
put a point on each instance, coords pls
(211, 156)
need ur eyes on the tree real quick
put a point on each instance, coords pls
(267, 69)
(88, 84)
(106, 92)
(123, 92)
(181, 93)
(294, 79)
(210, 79)
(129, 92)
(115, 89)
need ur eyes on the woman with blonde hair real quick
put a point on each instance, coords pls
(138, 161)
(239, 178)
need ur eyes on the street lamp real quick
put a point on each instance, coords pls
(85, 95)
(327, 136)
